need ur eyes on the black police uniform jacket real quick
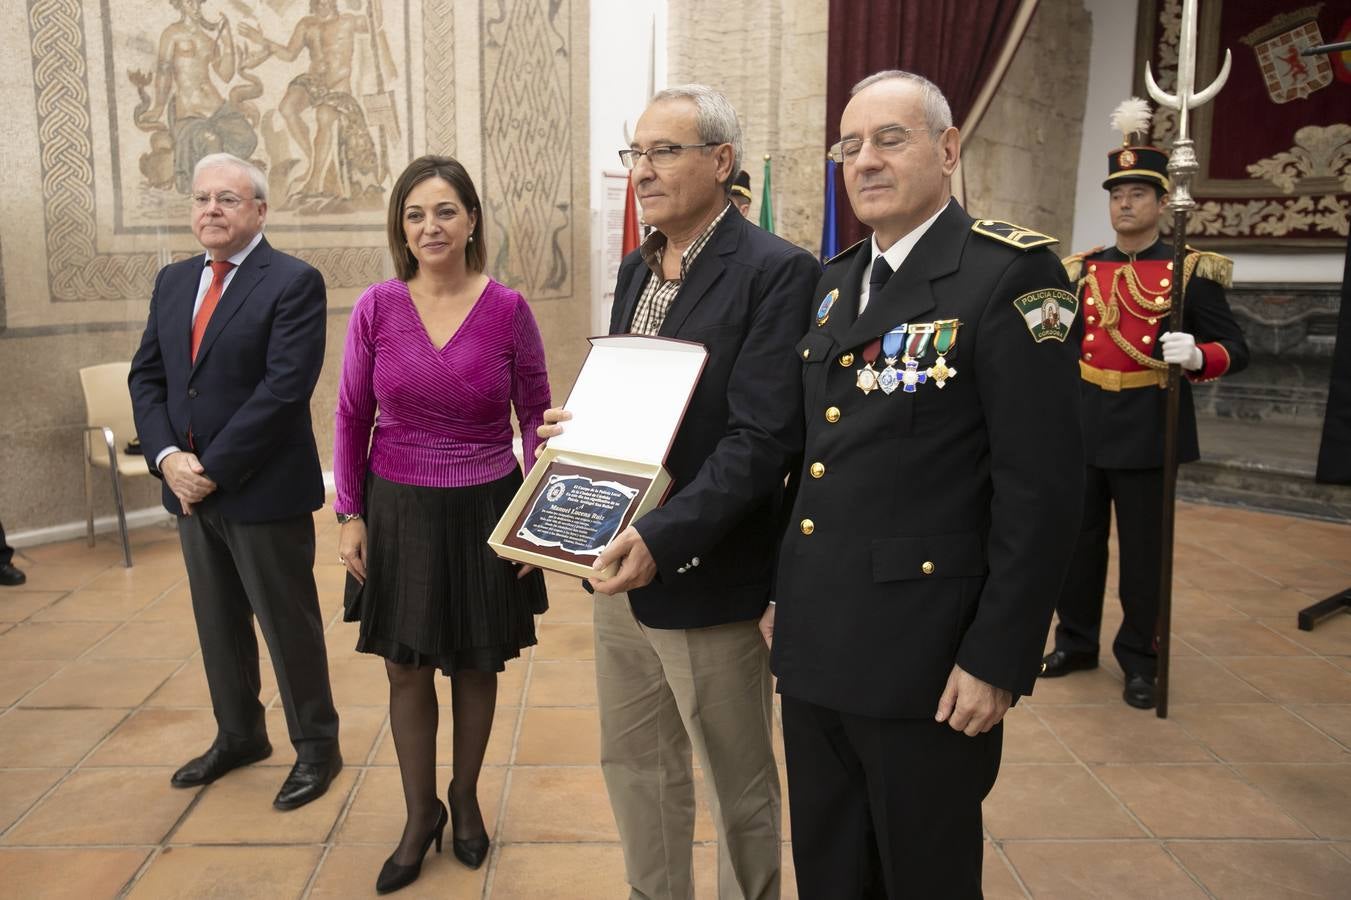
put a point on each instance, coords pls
(746, 298)
(938, 526)
(1124, 429)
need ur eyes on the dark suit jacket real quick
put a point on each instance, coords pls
(746, 298)
(941, 520)
(246, 401)
(1124, 429)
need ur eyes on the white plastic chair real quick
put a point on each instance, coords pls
(107, 405)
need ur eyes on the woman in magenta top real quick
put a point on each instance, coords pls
(435, 361)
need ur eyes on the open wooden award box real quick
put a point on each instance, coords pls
(605, 471)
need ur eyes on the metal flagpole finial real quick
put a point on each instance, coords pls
(1182, 164)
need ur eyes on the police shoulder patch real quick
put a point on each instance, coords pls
(1013, 235)
(1048, 313)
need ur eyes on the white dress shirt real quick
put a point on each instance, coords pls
(895, 255)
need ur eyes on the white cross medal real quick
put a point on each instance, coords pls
(912, 376)
(945, 338)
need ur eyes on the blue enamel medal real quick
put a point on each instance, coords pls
(823, 311)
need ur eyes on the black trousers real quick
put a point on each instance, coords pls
(1137, 495)
(6, 551)
(238, 570)
(885, 808)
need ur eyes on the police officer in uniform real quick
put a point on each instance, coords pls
(740, 192)
(1126, 294)
(942, 459)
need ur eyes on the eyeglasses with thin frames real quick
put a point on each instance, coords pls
(663, 155)
(891, 139)
(224, 200)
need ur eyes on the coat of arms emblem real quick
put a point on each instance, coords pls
(1288, 75)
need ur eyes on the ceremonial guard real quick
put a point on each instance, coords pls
(942, 471)
(1125, 291)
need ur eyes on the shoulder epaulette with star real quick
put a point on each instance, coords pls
(1205, 264)
(1074, 263)
(846, 251)
(1013, 235)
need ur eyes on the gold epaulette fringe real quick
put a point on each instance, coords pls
(1213, 266)
(1074, 264)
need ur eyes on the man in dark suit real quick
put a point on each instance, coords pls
(221, 388)
(679, 661)
(941, 462)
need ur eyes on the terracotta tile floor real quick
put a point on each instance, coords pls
(1244, 791)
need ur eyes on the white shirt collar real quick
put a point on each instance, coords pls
(239, 257)
(895, 254)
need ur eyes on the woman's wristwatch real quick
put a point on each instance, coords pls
(344, 518)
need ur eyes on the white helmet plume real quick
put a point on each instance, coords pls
(1131, 118)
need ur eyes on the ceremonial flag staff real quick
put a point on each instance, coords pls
(1182, 166)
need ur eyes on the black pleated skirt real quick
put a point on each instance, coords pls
(435, 593)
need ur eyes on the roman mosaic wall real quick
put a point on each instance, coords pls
(108, 104)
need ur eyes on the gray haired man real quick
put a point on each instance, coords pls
(679, 660)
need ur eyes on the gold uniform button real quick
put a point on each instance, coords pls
(1093, 268)
(832, 414)
(1091, 320)
(1153, 321)
(847, 360)
(1146, 339)
(927, 568)
(806, 354)
(1089, 338)
(1164, 282)
(1089, 301)
(807, 526)
(1088, 356)
(818, 469)
(1170, 267)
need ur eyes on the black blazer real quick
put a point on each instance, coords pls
(746, 298)
(941, 521)
(246, 401)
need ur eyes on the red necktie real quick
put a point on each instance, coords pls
(219, 269)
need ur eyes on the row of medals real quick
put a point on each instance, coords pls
(914, 339)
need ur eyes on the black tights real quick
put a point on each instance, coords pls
(413, 721)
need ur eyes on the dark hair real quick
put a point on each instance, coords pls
(450, 171)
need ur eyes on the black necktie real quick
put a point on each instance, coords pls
(882, 271)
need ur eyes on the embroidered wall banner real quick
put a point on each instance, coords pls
(1275, 145)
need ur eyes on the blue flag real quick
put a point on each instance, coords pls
(830, 239)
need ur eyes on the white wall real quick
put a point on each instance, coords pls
(624, 70)
(1109, 82)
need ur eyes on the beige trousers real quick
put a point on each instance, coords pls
(663, 692)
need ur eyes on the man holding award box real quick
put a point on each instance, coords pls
(680, 664)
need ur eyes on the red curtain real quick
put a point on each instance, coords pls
(953, 43)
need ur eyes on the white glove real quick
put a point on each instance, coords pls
(1180, 347)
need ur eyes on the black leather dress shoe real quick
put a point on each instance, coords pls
(307, 781)
(215, 762)
(10, 576)
(1062, 662)
(1139, 692)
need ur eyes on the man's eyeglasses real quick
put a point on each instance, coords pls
(224, 200)
(661, 156)
(884, 140)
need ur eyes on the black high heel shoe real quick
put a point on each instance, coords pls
(394, 876)
(470, 851)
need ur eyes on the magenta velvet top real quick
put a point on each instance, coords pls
(444, 415)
